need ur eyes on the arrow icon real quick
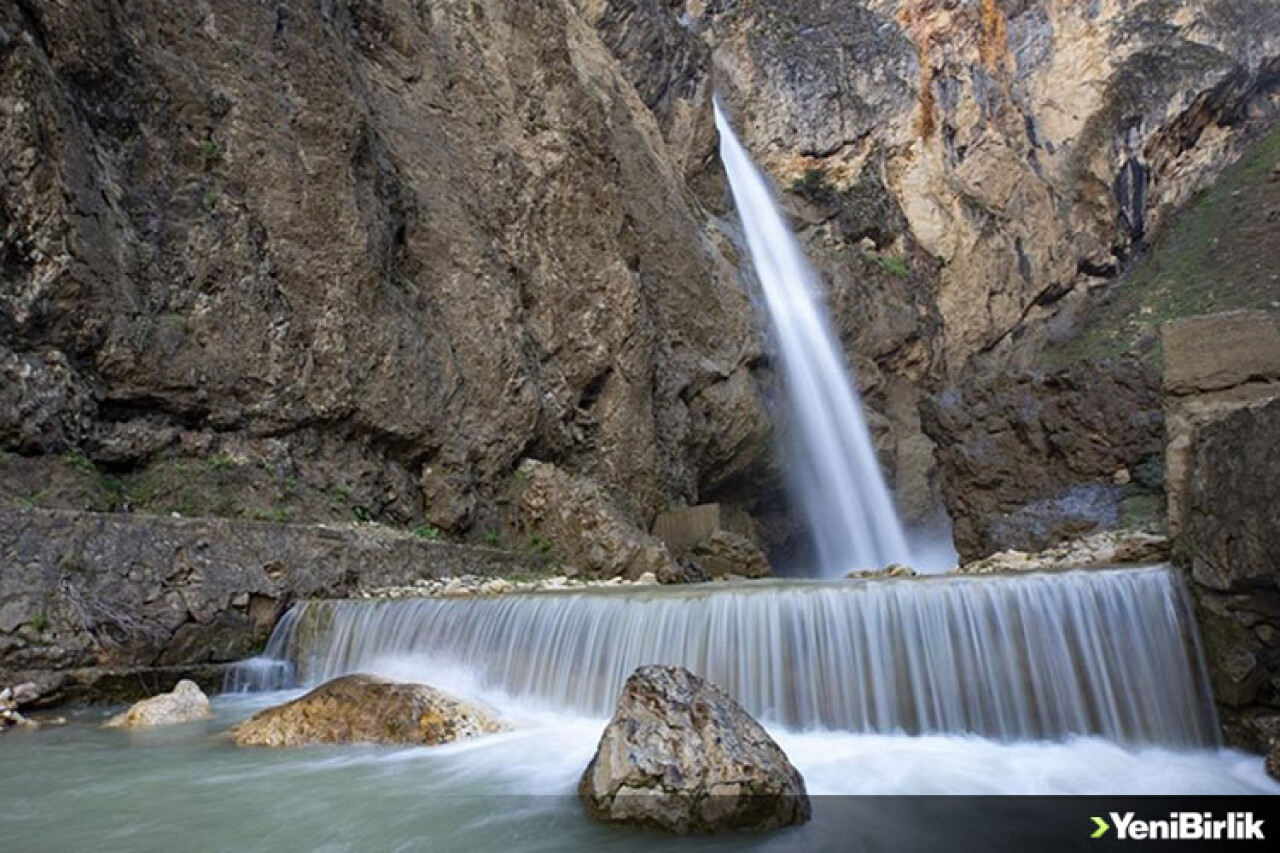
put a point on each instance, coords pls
(1102, 828)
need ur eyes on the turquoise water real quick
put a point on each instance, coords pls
(81, 788)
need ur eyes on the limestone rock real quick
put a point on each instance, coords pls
(679, 754)
(585, 527)
(893, 570)
(729, 553)
(548, 283)
(1109, 548)
(366, 709)
(1220, 351)
(185, 704)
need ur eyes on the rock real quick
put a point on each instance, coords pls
(893, 570)
(679, 754)
(637, 361)
(1029, 460)
(585, 527)
(1110, 548)
(153, 599)
(1273, 760)
(26, 693)
(10, 718)
(366, 709)
(1230, 524)
(728, 553)
(1220, 351)
(187, 703)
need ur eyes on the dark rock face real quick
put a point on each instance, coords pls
(1028, 460)
(1228, 542)
(681, 755)
(104, 606)
(366, 709)
(372, 253)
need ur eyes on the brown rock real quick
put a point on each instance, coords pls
(187, 703)
(366, 709)
(585, 528)
(728, 553)
(681, 755)
(1221, 351)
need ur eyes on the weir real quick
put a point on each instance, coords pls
(1098, 652)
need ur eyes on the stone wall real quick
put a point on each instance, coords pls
(103, 606)
(1222, 405)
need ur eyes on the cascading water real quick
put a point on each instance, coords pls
(1110, 653)
(836, 476)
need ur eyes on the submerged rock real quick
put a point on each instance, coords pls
(680, 754)
(366, 709)
(185, 704)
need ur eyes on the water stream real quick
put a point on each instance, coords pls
(1039, 656)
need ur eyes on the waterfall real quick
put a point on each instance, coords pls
(1109, 652)
(837, 476)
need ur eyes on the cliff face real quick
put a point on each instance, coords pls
(364, 253)
(307, 259)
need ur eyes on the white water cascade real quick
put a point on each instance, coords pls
(836, 476)
(1110, 653)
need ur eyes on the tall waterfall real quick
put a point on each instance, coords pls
(837, 476)
(1111, 653)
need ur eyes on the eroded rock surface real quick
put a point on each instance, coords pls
(111, 607)
(308, 261)
(1230, 527)
(585, 528)
(680, 754)
(366, 709)
(185, 704)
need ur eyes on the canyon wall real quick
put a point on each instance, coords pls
(308, 260)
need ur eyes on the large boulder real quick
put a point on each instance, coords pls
(187, 703)
(584, 526)
(681, 755)
(366, 709)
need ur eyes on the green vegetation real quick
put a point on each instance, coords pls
(210, 154)
(893, 264)
(1217, 254)
(815, 186)
(40, 622)
(428, 532)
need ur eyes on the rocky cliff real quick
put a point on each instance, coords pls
(301, 260)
